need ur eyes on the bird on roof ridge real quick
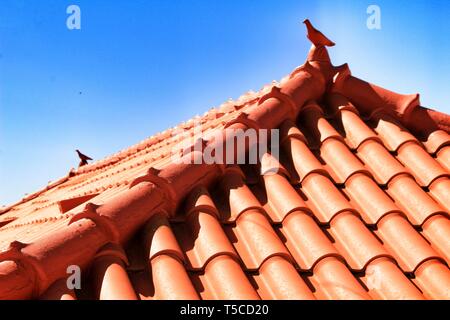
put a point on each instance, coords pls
(317, 37)
(84, 158)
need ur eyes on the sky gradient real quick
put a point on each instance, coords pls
(137, 67)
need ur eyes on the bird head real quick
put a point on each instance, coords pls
(308, 24)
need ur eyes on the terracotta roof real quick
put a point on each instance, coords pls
(358, 210)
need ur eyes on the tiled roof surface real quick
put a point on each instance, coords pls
(359, 209)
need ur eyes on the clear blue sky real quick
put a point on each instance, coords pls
(143, 66)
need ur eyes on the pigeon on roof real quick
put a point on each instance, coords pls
(84, 158)
(317, 37)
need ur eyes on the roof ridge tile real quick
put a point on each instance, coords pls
(371, 99)
(106, 224)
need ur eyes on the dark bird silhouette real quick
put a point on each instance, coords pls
(317, 37)
(84, 158)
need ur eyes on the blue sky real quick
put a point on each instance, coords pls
(138, 67)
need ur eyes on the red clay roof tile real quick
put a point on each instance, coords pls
(355, 241)
(159, 238)
(303, 160)
(440, 191)
(202, 238)
(360, 209)
(383, 166)
(224, 279)
(436, 140)
(171, 280)
(354, 130)
(255, 240)
(277, 279)
(282, 198)
(307, 243)
(393, 134)
(111, 280)
(443, 157)
(324, 198)
(59, 291)
(386, 281)
(373, 100)
(436, 230)
(343, 166)
(424, 168)
(408, 247)
(433, 278)
(368, 198)
(315, 126)
(238, 196)
(142, 284)
(333, 281)
(412, 199)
